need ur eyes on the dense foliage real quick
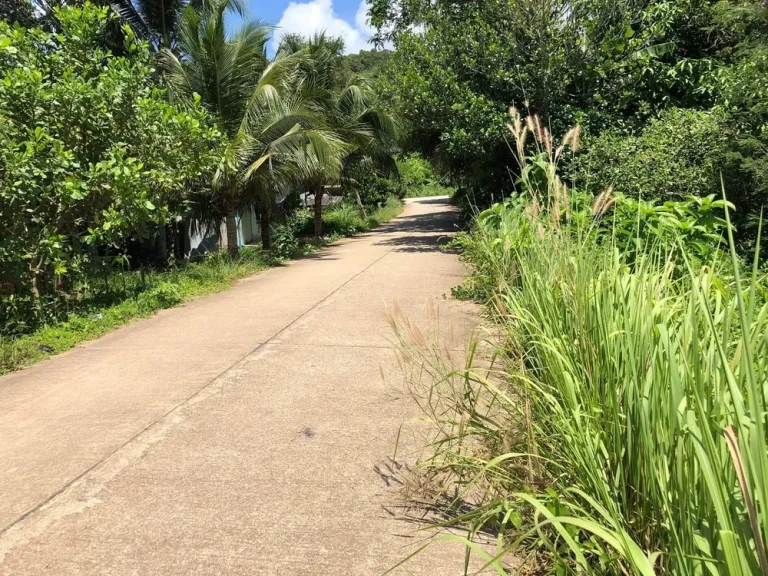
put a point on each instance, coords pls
(418, 178)
(92, 155)
(621, 427)
(659, 78)
(124, 128)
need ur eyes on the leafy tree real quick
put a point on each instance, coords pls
(681, 153)
(91, 152)
(602, 64)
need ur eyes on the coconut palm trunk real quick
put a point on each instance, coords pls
(318, 192)
(231, 224)
(360, 207)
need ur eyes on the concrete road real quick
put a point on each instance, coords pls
(245, 433)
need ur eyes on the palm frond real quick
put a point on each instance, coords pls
(175, 77)
(128, 13)
(162, 17)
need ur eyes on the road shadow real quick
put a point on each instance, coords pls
(421, 505)
(429, 232)
(418, 243)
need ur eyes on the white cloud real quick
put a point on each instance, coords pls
(361, 18)
(306, 18)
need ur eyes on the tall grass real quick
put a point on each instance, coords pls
(625, 431)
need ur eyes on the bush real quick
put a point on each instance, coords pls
(342, 220)
(373, 189)
(286, 235)
(92, 154)
(680, 153)
(697, 224)
(164, 295)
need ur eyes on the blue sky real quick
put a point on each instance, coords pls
(345, 18)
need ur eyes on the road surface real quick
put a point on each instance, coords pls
(245, 433)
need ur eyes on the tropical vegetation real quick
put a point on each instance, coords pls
(677, 87)
(614, 422)
(612, 418)
(128, 129)
(126, 295)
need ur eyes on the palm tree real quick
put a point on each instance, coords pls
(288, 145)
(370, 130)
(349, 110)
(269, 128)
(158, 21)
(227, 74)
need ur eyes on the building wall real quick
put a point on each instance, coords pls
(197, 242)
(249, 230)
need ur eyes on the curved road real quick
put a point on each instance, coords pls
(245, 433)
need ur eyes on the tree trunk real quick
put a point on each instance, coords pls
(266, 240)
(162, 243)
(360, 206)
(174, 240)
(231, 224)
(319, 211)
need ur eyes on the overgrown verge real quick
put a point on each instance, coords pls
(114, 301)
(622, 428)
(418, 178)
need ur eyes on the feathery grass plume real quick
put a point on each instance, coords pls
(597, 207)
(539, 131)
(531, 124)
(547, 141)
(519, 133)
(542, 165)
(607, 205)
(571, 139)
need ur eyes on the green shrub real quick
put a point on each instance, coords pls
(164, 295)
(418, 179)
(625, 430)
(389, 210)
(639, 226)
(286, 235)
(342, 220)
(92, 154)
(680, 153)
(373, 189)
